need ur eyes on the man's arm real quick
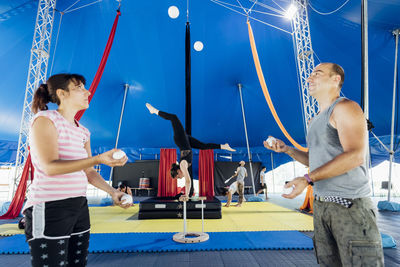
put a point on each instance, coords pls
(279, 146)
(236, 172)
(349, 120)
(298, 155)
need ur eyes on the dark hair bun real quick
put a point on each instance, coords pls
(174, 170)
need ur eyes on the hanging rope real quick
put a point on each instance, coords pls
(328, 13)
(55, 46)
(265, 89)
(82, 6)
(247, 16)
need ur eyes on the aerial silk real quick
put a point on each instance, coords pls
(265, 90)
(18, 199)
(188, 85)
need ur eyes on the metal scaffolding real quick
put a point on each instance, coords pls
(37, 74)
(304, 57)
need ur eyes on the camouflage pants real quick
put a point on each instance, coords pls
(240, 190)
(347, 236)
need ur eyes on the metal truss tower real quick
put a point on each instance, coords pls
(304, 57)
(37, 74)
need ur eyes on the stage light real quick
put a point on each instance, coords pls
(291, 11)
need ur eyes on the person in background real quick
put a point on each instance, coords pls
(263, 182)
(123, 187)
(240, 173)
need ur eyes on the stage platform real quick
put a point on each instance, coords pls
(171, 208)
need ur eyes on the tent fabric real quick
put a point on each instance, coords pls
(8, 151)
(148, 54)
(388, 241)
(255, 199)
(388, 206)
(103, 62)
(167, 187)
(206, 173)
(260, 154)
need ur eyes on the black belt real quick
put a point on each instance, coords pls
(339, 200)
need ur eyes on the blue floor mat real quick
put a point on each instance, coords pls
(162, 242)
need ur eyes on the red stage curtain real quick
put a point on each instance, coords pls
(18, 199)
(206, 173)
(167, 187)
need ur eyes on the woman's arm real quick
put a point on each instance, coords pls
(188, 183)
(128, 190)
(95, 179)
(45, 141)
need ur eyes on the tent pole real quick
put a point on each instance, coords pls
(396, 33)
(364, 72)
(272, 169)
(126, 87)
(247, 138)
(364, 56)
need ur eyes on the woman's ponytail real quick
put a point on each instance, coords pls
(41, 98)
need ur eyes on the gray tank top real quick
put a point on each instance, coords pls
(241, 175)
(324, 145)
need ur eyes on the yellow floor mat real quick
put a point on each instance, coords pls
(252, 216)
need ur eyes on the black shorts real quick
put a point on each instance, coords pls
(57, 219)
(263, 186)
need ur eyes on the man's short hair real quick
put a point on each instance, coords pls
(338, 70)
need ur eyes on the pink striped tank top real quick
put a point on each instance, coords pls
(71, 142)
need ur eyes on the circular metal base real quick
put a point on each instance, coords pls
(190, 237)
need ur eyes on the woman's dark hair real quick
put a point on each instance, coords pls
(262, 167)
(122, 185)
(47, 92)
(21, 223)
(224, 191)
(174, 170)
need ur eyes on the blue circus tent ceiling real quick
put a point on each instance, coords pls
(148, 54)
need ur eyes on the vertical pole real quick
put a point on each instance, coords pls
(364, 56)
(126, 87)
(184, 218)
(365, 70)
(396, 33)
(202, 215)
(273, 175)
(247, 138)
(294, 168)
